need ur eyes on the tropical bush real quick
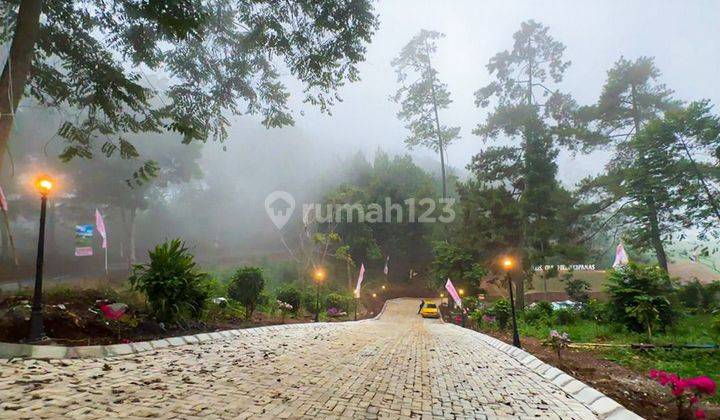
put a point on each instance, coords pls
(538, 313)
(339, 301)
(565, 316)
(290, 295)
(502, 311)
(470, 303)
(627, 284)
(172, 283)
(246, 287)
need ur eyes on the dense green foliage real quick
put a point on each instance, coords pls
(502, 312)
(343, 302)
(393, 180)
(220, 58)
(172, 283)
(628, 287)
(246, 287)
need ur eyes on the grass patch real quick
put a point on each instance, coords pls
(690, 329)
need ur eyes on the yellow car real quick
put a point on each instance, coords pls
(430, 310)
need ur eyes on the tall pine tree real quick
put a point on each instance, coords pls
(421, 97)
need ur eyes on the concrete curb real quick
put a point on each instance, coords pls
(600, 404)
(29, 351)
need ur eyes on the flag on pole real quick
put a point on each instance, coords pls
(621, 258)
(385, 270)
(100, 227)
(451, 289)
(360, 280)
(3, 201)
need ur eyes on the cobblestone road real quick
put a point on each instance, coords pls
(398, 366)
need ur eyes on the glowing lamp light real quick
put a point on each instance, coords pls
(44, 184)
(383, 287)
(507, 263)
(319, 274)
(374, 295)
(461, 292)
(442, 295)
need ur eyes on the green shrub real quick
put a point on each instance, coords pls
(308, 301)
(539, 313)
(502, 311)
(625, 285)
(565, 316)
(596, 311)
(699, 297)
(171, 282)
(339, 301)
(246, 287)
(576, 289)
(290, 294)
(470, 303)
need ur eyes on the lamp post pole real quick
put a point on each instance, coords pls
(516, 335)
(319, 276)
(317, 303)
(37, 331)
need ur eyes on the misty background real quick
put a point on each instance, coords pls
(223, 209)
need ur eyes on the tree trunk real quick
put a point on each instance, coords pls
(131, 236)
(17, 67)
(655, 237)
(440, 143)
(655, 234)
(441, 146)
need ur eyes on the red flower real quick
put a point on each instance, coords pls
(654, 373)
(699, 414)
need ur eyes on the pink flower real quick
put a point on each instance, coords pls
(699, 414)
(663, 377)
(678, 387)
(654, 374)
(703, 384)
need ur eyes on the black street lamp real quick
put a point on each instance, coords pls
(319, 276)
(37, 333)
(507, 265)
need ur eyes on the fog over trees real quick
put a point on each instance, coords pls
(555, 135)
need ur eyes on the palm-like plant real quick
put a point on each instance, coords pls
(172, 283)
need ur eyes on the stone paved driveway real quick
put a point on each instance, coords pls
(398, 366)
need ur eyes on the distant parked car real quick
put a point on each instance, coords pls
(430, 310)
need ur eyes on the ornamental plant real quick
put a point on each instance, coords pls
(285, 308)
(172, 283)
(246, 287)
(686, 392)
(558, 342)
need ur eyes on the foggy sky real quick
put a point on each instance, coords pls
(682, 36)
